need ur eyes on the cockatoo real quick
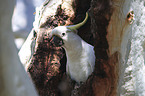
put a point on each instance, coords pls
(80, 54)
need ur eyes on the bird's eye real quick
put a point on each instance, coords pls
(63, 34)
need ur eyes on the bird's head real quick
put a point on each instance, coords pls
(61, 34)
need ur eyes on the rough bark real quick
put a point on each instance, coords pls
(109, 30)
(14, 80)
(134, 80)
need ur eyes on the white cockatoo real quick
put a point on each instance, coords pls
(80, 54)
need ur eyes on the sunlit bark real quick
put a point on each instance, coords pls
(14, 80)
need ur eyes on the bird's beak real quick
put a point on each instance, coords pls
(57, 41)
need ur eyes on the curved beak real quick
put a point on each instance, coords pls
(56, 41)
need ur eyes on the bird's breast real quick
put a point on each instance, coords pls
(79, 70)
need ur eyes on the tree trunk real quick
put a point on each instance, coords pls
(109, 29)
(13, 78)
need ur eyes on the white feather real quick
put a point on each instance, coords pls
(80, 54)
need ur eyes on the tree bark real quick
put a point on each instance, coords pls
(14, 80)
(134, 80)
(109, 29)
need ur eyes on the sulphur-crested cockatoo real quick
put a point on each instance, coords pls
(80, 54)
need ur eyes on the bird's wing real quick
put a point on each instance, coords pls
(67, 69)
(91, 58)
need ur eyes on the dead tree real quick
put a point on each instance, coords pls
(109, 30)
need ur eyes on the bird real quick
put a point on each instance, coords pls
(80, 55)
